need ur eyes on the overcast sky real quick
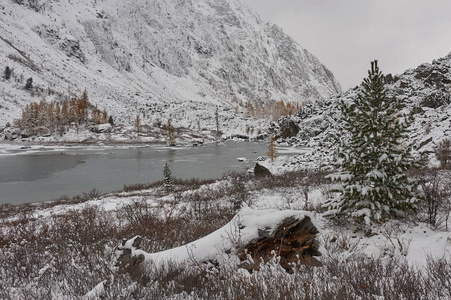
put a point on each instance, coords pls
(346, 35)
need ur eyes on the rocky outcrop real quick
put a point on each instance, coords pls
(11, 133)
(425, 92)
(260, 171)
(287, 128)
(102, 128)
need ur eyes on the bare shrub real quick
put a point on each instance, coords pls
(66, 256)
(439, 271)
(238, 193)
(140, 186)
(443, 153)
(171, 230)
(72, 254)
(435, 185)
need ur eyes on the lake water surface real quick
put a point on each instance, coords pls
(47, 174)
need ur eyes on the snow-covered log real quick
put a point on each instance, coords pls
(252, 237)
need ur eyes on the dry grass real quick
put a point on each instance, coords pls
(66, 256)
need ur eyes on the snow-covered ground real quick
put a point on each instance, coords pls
(409, 240)
(415, 241)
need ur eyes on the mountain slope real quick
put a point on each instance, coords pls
(426, 91)
(158, 58)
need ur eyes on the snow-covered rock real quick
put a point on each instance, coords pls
(102, 128)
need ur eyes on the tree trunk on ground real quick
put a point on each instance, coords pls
(293, 240)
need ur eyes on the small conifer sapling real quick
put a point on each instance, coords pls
(29, 84)
(168, 181)
(7, 73)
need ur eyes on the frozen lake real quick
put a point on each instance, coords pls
(34, 175)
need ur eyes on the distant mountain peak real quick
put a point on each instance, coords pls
(144, 53)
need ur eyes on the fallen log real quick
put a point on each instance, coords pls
(252, 237)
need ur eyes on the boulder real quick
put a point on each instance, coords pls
(11, 133)
(261, 171)
(287, 128)
(388, 79)
(102, 128)
(423, 71)
(71, 47)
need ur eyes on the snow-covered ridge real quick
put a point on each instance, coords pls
(426, 91)
(177, 58)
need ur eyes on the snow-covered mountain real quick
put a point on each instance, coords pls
(159, 58)
(426, 91)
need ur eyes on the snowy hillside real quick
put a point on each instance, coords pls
(161, 59)
(426, 91)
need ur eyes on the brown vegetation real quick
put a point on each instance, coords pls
(272, 150)
(56, 116)
(270, 110)
(67, 255)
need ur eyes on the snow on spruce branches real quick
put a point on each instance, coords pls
(375, 156)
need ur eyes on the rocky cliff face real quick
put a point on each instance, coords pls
(148, 56)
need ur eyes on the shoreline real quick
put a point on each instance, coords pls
(18, 149)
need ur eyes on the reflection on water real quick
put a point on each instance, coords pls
(48, 175)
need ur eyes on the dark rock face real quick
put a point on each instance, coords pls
(423, 71)
(388, 78)
(261, 171)
(288, 128)
(417, 110)
(436, 100)
(102, 128)
(72, 48)
(433, 74)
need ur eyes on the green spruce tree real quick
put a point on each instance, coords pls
(29, 84)
(374, 160)
(110, 120)
(168, 181)
(7, 73)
